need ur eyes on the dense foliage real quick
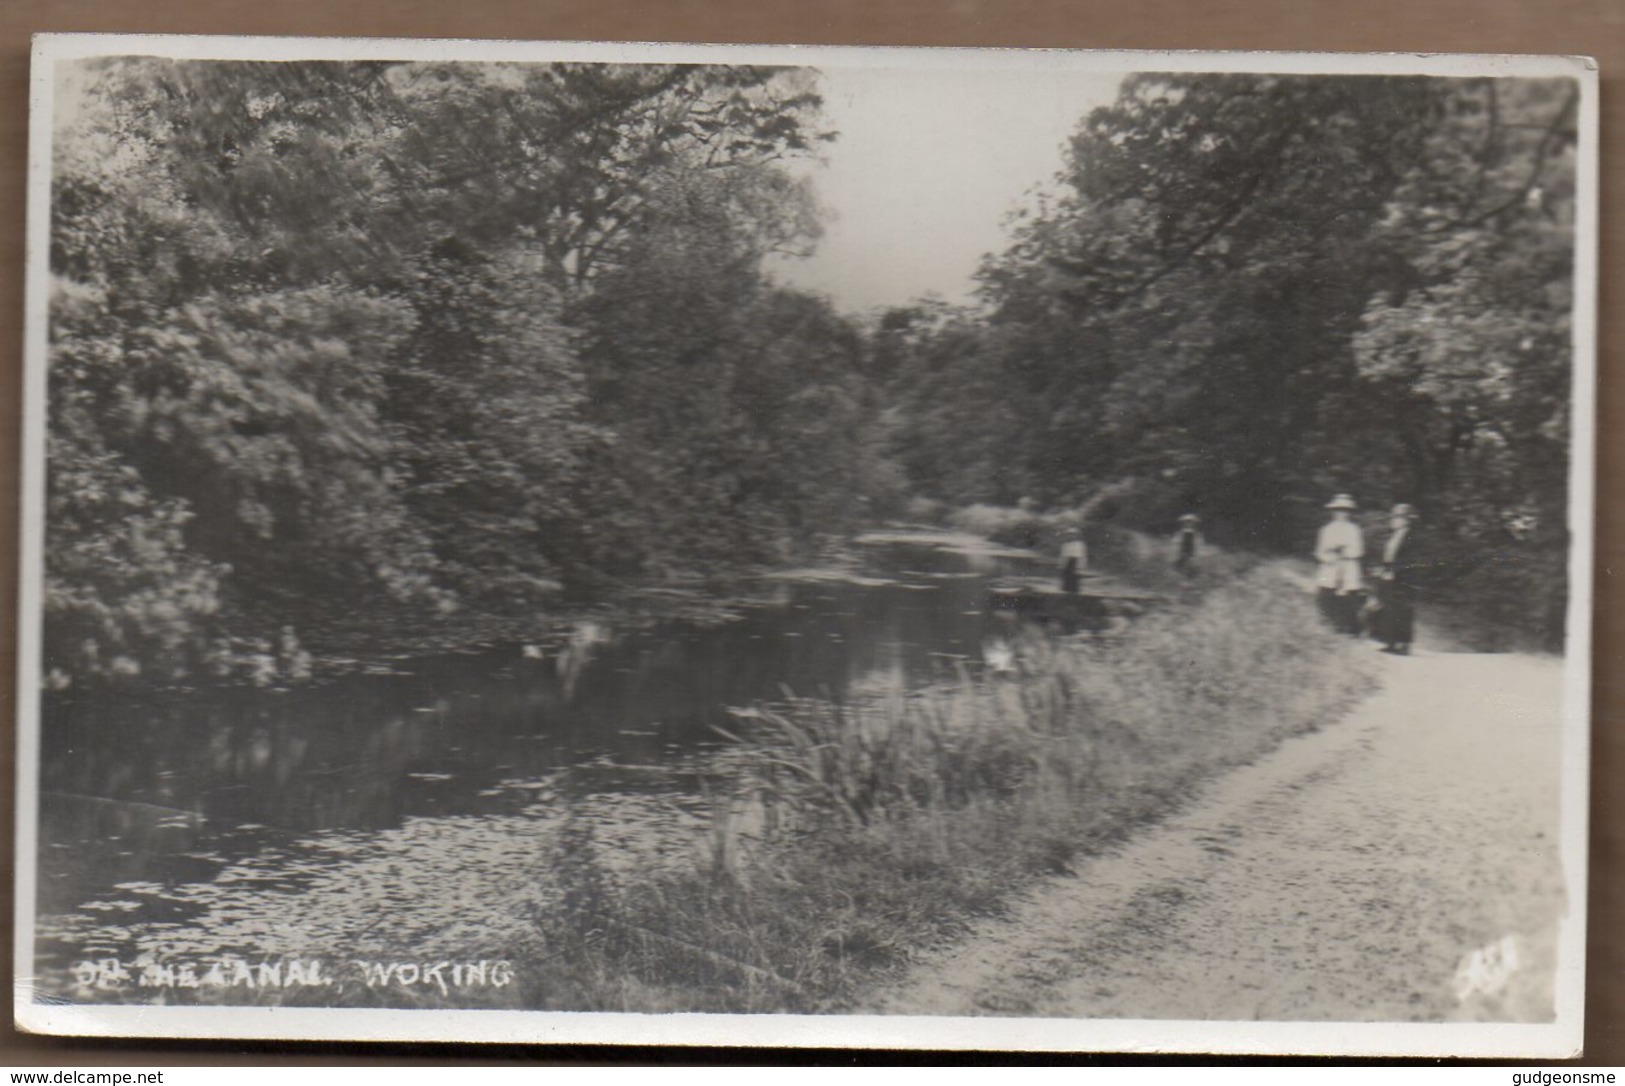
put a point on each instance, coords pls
(409, 340)
(1248, 292)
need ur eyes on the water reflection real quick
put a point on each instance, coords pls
(180, 796)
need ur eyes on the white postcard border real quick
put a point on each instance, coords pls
(1559, 1039)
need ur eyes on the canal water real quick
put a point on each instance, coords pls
(409, 804)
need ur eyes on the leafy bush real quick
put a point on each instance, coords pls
(123, 596)
(1508, 598)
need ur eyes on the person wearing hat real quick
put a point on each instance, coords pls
(1186, 543)
(1339, 550)
(1394, 623)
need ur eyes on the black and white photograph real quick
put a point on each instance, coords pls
(754, 545)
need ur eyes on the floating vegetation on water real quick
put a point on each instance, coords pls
(140, 887)
(455, 888)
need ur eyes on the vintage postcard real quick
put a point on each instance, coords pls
(804, 546)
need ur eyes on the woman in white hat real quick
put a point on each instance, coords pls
(1339, 549)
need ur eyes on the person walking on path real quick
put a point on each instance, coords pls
(1339, 550)
(1394, 623)
(1074, 559)
(1187, 541)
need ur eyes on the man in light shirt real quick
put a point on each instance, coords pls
(1340, 548)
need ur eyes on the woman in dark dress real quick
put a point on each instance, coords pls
(1394, 624)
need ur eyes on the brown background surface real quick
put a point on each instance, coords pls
(1591, 27)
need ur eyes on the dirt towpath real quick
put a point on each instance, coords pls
(1401, 864)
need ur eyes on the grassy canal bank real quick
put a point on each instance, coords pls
(859, 835)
